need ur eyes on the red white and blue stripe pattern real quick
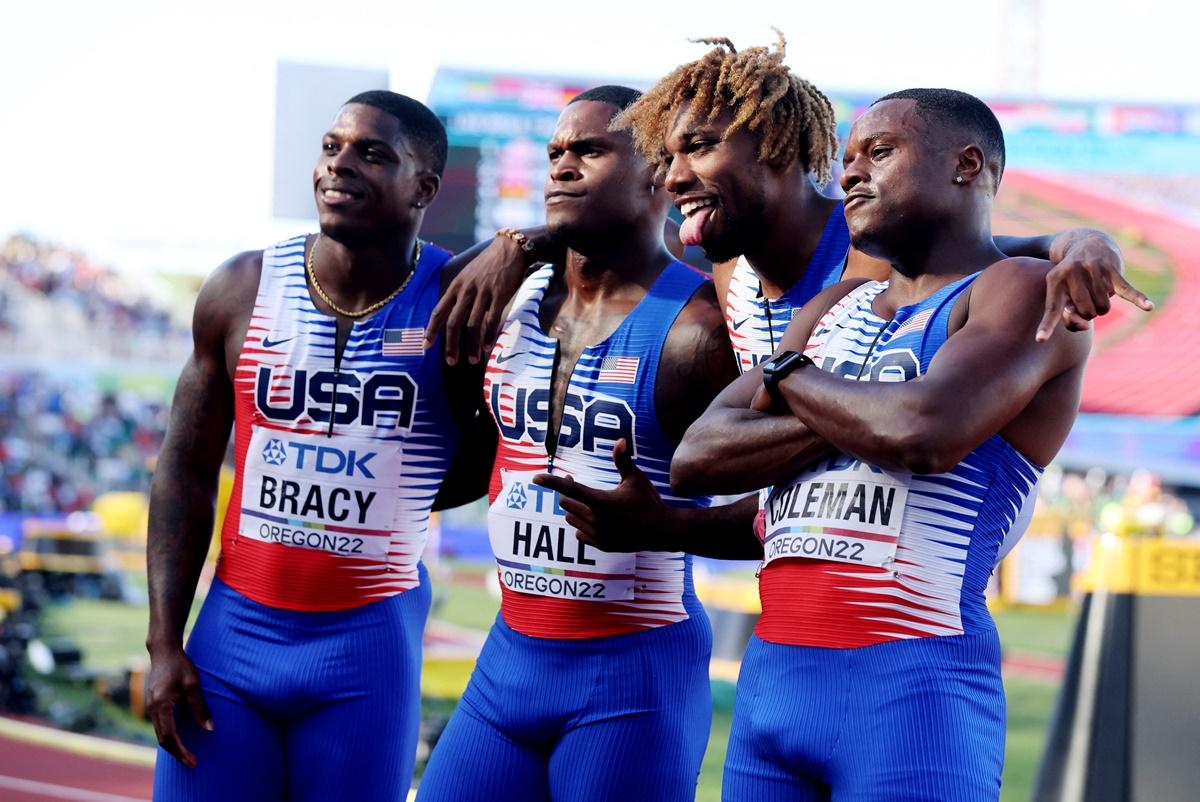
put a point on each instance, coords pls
(517, 390)
(954, 523)
(330, 508)
(756, 323)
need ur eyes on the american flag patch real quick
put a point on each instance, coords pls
(914, 323)
(403, 342)
(619, 369)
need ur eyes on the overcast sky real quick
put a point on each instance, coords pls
(145, 133)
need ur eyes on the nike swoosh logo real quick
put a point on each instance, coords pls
(269, 343)
(737, 324)
(501, 358)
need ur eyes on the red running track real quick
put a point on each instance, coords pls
(36, 773)
(32, 773)
(1152, 371)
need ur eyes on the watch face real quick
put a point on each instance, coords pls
(780, 361)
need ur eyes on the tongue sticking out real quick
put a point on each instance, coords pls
(692, 230)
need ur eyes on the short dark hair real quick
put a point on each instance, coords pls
(958, 110)
(419, 124)
(622, 97)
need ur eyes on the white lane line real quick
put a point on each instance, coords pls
(62, 791)
(90, 746)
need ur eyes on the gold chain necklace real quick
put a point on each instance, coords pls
(312, 276)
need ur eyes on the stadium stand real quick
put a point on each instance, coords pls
(1136, 364)
(63, 442)
(58, 303)
(72, 423)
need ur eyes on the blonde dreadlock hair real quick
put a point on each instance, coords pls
(793, 118)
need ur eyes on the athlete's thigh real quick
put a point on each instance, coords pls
(934, 733)
(935, 758)
(785, 715)
(362, 748)
(473, 760)
(751, 774)
(241, 759)
(641, 744)
(631, 758)
(359, 738)
(936, 761)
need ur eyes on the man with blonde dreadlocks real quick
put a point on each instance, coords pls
(739, 139)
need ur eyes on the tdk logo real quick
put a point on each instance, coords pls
(320, 459)
(274, 453)
(382, 399)
(516, 497)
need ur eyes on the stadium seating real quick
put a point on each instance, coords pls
(1141, 364)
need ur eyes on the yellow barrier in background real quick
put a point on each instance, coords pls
(1143, 566)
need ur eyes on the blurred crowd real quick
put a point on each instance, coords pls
(1135, 504)
(63, 442)
(54, 300)
(1175, 195)
(63, 439)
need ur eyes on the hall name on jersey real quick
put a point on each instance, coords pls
(383, 399)
(593, 424)
(538, 540)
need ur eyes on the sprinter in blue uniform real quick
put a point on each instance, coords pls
(596, 658)
(874, 671)
(301, 676)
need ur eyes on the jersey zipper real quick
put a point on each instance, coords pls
(552, 446)
(337, 372)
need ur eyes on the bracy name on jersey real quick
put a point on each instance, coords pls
(337, 495)
(297, 459)
(594, 424)
(381, 399)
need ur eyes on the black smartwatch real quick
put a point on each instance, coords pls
(779, 368)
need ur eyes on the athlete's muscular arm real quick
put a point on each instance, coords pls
(482, 281)
(735, 449)
(1088, 270)
(697, 362)
(467, 477)
(184, 489)
(485, 278)
(985, 375)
